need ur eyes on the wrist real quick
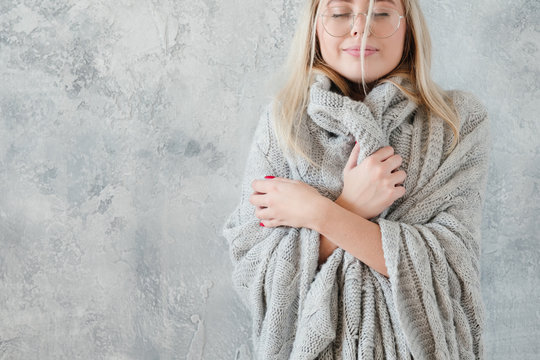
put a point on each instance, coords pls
(321, 208)
(341, 201)
(324, 208)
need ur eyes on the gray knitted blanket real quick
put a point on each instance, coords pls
(430, 307)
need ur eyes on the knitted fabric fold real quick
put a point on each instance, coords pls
(430, 307)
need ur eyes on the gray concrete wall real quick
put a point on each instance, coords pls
(124, 127)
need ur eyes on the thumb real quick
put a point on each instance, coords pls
(353, 157)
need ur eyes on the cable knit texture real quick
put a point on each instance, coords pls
(430, 307)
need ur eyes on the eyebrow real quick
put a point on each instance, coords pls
(350, 1)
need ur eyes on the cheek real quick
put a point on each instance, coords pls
(328, 48)
(327, 43)
(402, 32)
(398, 45)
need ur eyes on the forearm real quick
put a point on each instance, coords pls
(342, 228)
(326, 248)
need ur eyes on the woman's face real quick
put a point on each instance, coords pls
(342, 53)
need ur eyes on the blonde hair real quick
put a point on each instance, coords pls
(305, 60)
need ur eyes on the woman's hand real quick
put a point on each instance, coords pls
(373, 185)
(281, 201)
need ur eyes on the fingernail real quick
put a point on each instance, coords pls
(356, 142)
(269, 177)
(261, 224)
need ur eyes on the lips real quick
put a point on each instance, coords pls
(357, 48)
(355, 51)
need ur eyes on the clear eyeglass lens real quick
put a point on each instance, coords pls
(338, 21)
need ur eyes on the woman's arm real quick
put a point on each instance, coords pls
(272, 268)
(326, 248)
(342, 228)
(282, 201)
(369, 188)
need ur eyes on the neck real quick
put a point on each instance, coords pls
(357, 91)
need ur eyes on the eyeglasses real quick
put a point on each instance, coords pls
(339, 21)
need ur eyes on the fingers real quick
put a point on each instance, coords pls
(398, 177)
(383, 153)
(265, 185)
(270, 223)
(353, 157)
(392, 163)
(258, 200)
(262, 188)
(399, 192)
(266, 217)
(262, 213)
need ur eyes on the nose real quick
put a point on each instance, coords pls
(358, 25)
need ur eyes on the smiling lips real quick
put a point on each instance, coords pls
(355, 50)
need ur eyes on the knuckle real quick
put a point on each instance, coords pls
(389, 197)
(400, 191)
(378, 172)
(403, 174)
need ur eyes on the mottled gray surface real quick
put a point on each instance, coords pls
(124, 127)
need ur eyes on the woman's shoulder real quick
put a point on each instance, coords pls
(471, 111)
(467, 102)
(266, 132)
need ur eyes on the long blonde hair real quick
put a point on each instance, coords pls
(305, 60)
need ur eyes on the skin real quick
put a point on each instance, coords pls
(376, 65)
(369, 187)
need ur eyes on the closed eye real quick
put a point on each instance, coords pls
(337, 16)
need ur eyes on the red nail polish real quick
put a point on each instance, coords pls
(269, 177)
(261, 224)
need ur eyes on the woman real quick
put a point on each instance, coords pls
(358, 230)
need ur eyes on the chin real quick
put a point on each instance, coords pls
(358, 79)
(354, 79)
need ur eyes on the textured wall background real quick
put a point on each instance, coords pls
(124, 127)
